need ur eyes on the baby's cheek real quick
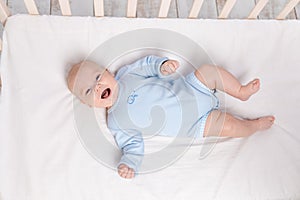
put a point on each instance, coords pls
(97, 91)
(97, 101)
(86, 101)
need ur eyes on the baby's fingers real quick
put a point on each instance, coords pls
(175, 63)
(123, 172)
(123, 175)
(170, 68)
(130, 173)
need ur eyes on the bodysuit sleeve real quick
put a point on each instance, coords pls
(148, 66)
(132, 145)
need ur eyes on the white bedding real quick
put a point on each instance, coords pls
(41, 156)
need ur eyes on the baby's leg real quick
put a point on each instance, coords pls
(225, 125)
(215, 77)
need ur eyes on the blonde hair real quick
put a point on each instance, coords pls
(71, 77)
(72, 74)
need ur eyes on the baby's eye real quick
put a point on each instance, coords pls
(88, 91)
(98, 77)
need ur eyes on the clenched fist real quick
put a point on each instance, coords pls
(125, 172)
(169, 67)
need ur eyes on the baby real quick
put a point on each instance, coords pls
(137, 88)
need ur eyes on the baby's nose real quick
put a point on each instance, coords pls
(97, 87)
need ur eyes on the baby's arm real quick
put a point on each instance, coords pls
(132, 145)
(150, 66)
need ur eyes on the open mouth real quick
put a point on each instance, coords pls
(105, 94)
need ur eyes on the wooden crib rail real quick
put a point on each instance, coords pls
(131, 8)
(31, 7)
(226, 9)
(287, 9)
(257, 9)
(163, 10)
(65, 7)
(197, 4)
(4, 12)
(98, 8)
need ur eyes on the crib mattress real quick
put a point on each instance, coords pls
(42, 157)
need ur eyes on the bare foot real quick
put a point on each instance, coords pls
(247, 90)
(265, 122)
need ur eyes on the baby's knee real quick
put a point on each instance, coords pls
(226, 124)
(208, 71)
(229, 124)
(215, 124)
(206, 74)
(205, 69)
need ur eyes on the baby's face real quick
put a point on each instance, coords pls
(93, 85)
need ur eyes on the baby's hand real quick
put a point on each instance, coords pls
(125, 172)
(169, 67)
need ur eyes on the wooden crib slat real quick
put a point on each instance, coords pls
(131, 8)
(164, 8)
(208, 9)
(226, 9)
(99, 8)
(65, 7)
(4, 12)
(196, 8)
(0, 50)
(31, 7)
(287, 9)
(297, 12)
(240, 10)
(257, 9)
(273, 8)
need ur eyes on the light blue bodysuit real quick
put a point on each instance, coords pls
(150, 103)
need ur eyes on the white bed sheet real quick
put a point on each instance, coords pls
(41, 156)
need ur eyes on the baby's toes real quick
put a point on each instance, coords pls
(123, 172)
(271, 119)
(266, 122)
(255, 84)
(130, 174)
(249, 89)
(125, 175)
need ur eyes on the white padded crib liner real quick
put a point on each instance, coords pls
(41, 156)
